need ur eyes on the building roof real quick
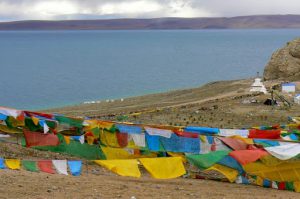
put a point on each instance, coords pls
(288, 84)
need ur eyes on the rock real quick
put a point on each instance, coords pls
(285, 63)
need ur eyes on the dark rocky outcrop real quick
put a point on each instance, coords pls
(285, 63)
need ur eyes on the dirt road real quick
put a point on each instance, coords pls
(23, 184)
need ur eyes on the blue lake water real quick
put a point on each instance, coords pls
(46, 69)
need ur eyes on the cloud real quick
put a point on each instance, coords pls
(53, 8)
(81, 9)
(249, 7)
(132, 8)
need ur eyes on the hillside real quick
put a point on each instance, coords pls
(218, 104)
(242, 22)
(224, 104)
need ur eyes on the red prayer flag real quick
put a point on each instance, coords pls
(46, 166)
(281, 186)
(235, 144)
(45, 115)
(264, 134)
(39, 139)
(122, 139)
(247, 156)
(186, 134)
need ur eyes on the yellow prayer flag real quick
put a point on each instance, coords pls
(259, 181)
(203, 138)
(115, 153)
(229, 173)
(35, 120)
(287, 171)
(15, 122)
(131, 145)
(164, 168)
(13, 163)
(90, 124)
(246, 140)
(172, 154)
(109, 139)
(270, 160)
(67, 139)
(105, 125)
(7, 129)
(122, 167)
(90, 140)
(297, 186)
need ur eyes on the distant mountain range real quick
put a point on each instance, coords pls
(243, 22)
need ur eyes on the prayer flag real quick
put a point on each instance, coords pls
(46, 166)
(30, 165)
(60, 166)
(122, 167)
(14, 164)
(164, 168)
(75, 167)
(39, 139)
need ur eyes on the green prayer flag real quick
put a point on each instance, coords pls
(75, 122)
(32, 127)
(30, 165)
(96, 132)
(75, 148)
(289, 186)
(204, 161)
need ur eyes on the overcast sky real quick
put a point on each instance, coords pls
(90, 9)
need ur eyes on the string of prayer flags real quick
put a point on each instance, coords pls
(47, 166)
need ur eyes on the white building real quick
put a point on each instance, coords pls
(258, 86)
(288, 87)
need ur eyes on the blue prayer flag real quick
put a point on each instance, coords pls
(232, 163)
(3, 117)
(129, 129)
(153, 142)
(266, 183)
(75, 167)
(181, 144)
(2, 165)
(202, 130)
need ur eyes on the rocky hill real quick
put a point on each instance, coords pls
(285, 63)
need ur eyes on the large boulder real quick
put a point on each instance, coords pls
(285, 63)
